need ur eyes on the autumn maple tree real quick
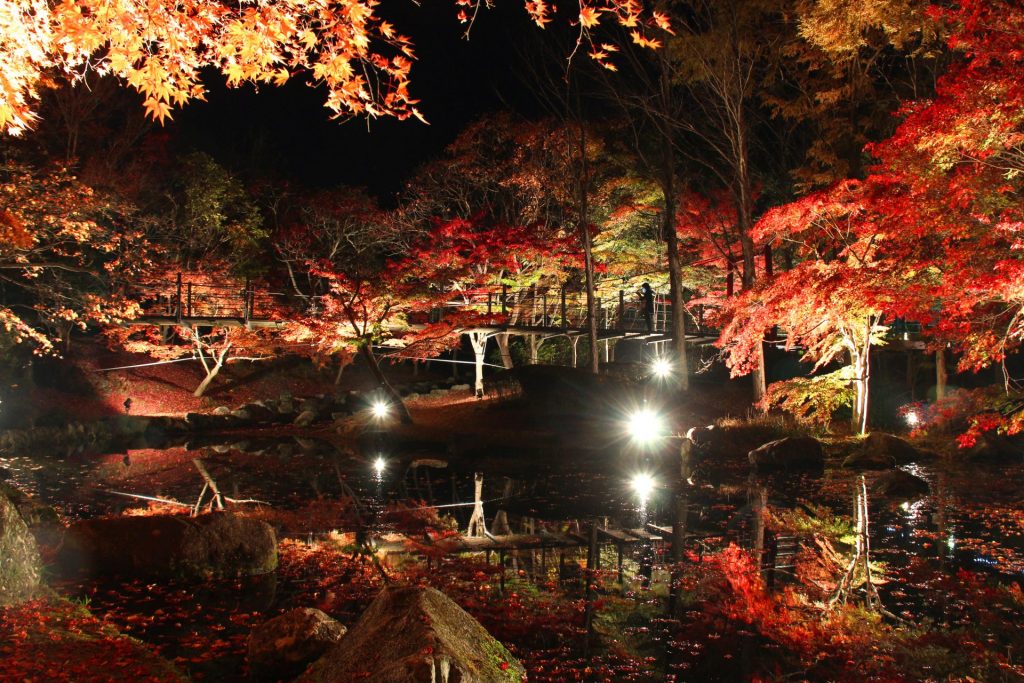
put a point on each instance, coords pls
(161, 48)
(66, 252)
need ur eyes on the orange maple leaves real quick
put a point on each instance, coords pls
(161, 47)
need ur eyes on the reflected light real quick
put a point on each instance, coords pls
(642, 484)
(661, 367)
(378, 466)
(646, 425)
(951, 542)
(379, 409)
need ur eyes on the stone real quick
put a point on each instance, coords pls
(309, 404)
(995, 448)
(284, 646)
(32, 512)
(791, 452)
(411, 634)
(880, 446)
(460, 387)
(900, 485)
(305, 418)
(869, 459)
(242, 414)
(260, 413)
(20, 565)
(222, 410)
(219, 544)
(285, 407)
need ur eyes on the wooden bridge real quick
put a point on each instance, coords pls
(536, 312)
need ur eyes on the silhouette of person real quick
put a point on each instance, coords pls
(647, 297)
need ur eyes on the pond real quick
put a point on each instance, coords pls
(973, 518)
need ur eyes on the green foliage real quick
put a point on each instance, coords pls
(812, 519)
(813, 400)
(214, 217)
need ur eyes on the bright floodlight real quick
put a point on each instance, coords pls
(646, 425)
(380, 409)
(378, 466)
(643, 485)
(662, 367)
(913, 419)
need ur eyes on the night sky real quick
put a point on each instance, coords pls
(286, 132)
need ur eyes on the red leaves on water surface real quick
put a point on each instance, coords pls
(55, 640)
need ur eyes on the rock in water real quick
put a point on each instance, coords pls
(19, 558)
(880, 445)
(218, 544)
(416, 635)
(305, 418)
(282, 647)
(790, 453)
(900, 485)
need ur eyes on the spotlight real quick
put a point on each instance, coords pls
(380, 409)
(378, 466)
(913, 419)
(661, 367)
(645, 425)
(642, 484)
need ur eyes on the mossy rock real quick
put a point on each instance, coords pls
(20, 565)
(32, 511)
(219, 544)
(416, 635)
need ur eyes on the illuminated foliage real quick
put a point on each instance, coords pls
(161, 48)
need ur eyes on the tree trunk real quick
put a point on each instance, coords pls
(506, 355)
(211, 370)
(478, 340)
(675, 275)
(371, 362)
(862, 378)
(941, 374)
(337, 376)
(588, 248)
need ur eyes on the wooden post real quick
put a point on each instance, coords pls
(189, 305)
(247, 301)
(177, 308)
(622, 310)
(565, 318)
(490, 299)
(768, 260)
(501, 574)
(730, 279)
(544, 305)
(504, 299)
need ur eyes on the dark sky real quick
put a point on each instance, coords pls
(287, 131)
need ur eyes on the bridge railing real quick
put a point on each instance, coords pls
(537, 307)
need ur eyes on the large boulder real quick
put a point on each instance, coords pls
(33, 512)
(996, 448)
(219, 544)
(790, 453)
(282, 647)
(899, 485)
(416, 635)
(879, 447)
(20, 565)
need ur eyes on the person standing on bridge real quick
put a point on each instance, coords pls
(647, 298)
